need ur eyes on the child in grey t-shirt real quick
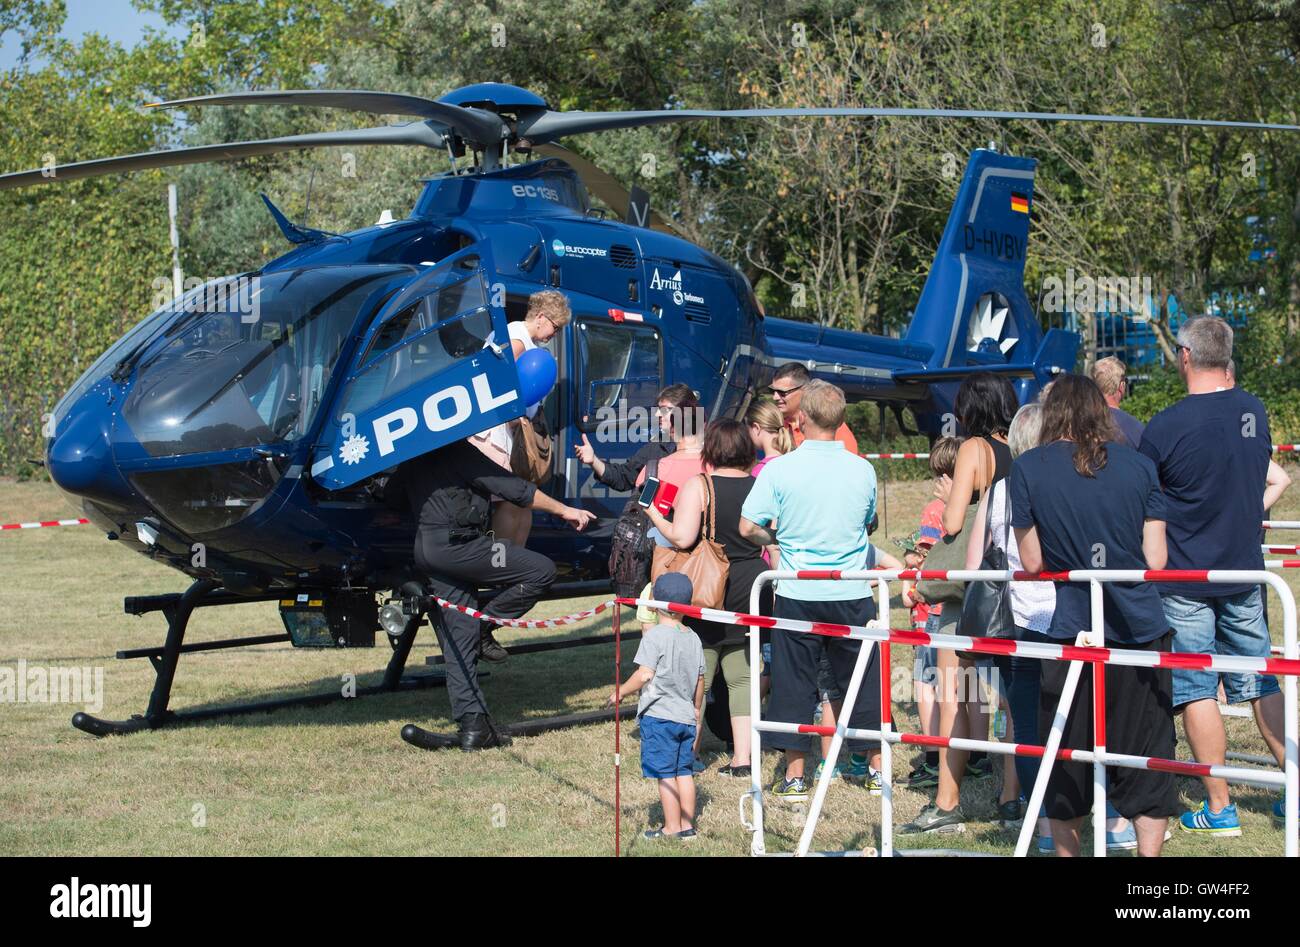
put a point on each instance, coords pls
(670, 676)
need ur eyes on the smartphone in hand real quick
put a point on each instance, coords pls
(659, 493)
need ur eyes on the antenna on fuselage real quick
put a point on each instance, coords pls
(306, 209)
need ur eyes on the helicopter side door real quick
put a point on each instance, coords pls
(434, 367)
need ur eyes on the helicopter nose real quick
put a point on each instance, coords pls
(80, 457)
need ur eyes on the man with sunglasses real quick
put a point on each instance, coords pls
(787, 391)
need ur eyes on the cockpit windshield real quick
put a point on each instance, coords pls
(248, 360)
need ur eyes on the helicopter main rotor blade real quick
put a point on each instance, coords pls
(604, 185)
(550, 125)
(412, 133)
(474, 125)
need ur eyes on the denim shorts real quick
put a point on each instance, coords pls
(666, 748)
(1226, 625)
(927, 658)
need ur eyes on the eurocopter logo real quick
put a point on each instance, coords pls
(561, 248)
(674, 283)
(125, 900)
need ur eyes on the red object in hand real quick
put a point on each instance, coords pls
(664, 497)
(659, 494)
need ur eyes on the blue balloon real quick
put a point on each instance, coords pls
(537, 373)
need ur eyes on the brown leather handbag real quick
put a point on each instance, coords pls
(705, 564)
(530, 454)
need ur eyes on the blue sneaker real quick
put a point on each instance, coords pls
(821, 766)
(859, 771)
(1202, 821)
(1046, 846)
(1123, 840)
(1279, 814)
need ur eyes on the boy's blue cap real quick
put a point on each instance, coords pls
(674, 587)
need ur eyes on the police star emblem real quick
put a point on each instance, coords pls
(354, 449)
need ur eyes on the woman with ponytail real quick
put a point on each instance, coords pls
(768, 431)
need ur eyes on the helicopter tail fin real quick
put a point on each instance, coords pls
(973, 310)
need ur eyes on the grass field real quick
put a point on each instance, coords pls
(338, 780)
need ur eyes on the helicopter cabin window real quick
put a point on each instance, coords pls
(247, 362)
(421, 339)
(620, 365)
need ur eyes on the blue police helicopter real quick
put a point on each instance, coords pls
(242, 433)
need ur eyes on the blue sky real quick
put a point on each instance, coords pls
(116, 19)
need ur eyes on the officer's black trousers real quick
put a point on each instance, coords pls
(455, 572)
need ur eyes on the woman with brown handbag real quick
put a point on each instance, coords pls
(708, 510)
(985, 405)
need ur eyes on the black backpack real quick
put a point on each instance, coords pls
(631, 549)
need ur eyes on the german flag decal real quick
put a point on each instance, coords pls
(1019, 203)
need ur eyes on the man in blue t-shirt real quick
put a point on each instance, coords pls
(821, 499)
(1212, 451)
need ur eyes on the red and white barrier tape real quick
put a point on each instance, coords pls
(80, 522)
(924, 456)
(1154, 763)
(995, 646)
(527, 623)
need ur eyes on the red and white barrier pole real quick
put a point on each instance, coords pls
(1289, 667)
(1098, 727)
(618, 759)
(886, 747)
(841, 723)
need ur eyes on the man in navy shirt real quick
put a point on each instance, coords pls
(1212, 450)
(1112, 378)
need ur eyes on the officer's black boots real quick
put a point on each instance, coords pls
(478, 733)
(427, 739)
(489, 649)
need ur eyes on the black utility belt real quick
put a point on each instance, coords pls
(452, 537)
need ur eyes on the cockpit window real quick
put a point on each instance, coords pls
(248, 361)
(450, 321)
(137, 336)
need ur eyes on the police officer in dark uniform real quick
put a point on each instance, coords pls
(450, 490)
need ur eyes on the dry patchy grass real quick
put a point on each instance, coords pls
(337, 779)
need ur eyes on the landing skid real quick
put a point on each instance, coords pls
(178, 609)
(429, 740)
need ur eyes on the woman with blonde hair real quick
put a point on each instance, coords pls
(548, 313)
(768, 431)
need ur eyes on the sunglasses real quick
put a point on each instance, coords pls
(782, 392)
